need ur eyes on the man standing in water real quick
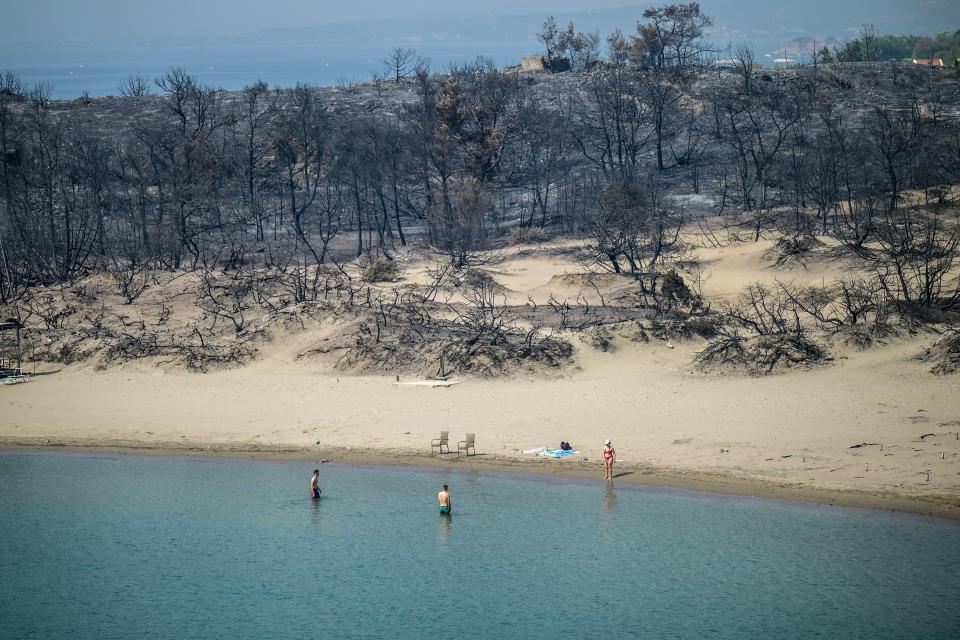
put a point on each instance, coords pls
(314, 489)
(444, 499)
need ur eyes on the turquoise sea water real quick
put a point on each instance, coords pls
(137, 547)
(71, 71)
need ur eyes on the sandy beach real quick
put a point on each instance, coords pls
(794, 434)
(788, 435)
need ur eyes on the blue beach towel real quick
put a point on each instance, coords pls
(557, 453)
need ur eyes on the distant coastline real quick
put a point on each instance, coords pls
(99, 72)
(350, 51)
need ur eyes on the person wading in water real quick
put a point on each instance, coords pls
(444, 499)
(314, 488)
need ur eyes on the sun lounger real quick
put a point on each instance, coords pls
(13, 376)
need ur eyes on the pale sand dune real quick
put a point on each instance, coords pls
(726, 270)
(794, 429)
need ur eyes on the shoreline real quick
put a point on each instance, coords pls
(933, 505)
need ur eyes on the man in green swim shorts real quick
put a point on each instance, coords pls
(444, 499)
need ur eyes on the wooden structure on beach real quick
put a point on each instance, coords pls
(11, 352)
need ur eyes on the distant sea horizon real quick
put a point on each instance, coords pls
(351, 51)
(283, 59)
(73, 70)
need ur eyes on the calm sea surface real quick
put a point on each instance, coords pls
(71, 71)
(135, 547)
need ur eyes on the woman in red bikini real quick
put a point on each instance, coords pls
(608, 456)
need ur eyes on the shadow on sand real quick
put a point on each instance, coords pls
(43, 373)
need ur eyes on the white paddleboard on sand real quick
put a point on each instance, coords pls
(426, 383)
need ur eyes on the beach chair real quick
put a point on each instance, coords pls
(466, 445)
(441, 442)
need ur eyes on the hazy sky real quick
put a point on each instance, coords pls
(93, 20)
(97, 19)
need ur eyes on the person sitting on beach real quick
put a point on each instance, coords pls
(444, 499)
(609, 454)
(566, 446)
(314, 489)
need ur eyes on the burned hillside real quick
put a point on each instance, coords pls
(276, 205)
